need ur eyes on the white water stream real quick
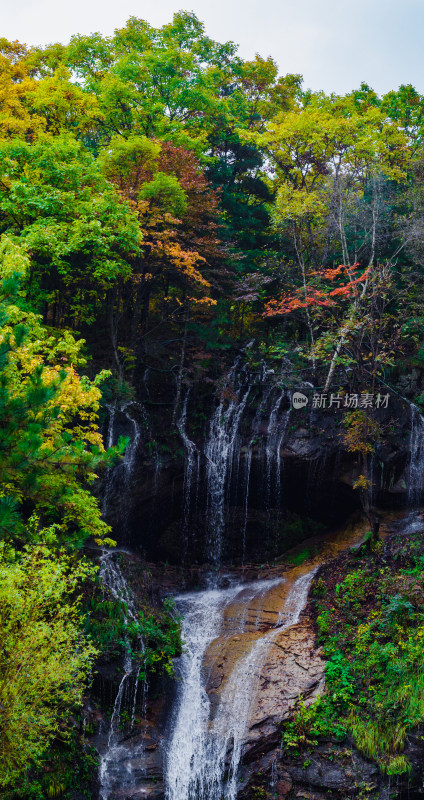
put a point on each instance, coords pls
(119, 763)
(124, 470)
(219, 453)
(416, 464)
(272, 448)
(204, 753)
(191, 471)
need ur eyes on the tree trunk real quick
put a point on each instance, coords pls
(305, 292)
(336, 353)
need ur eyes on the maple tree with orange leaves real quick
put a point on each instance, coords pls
(302, 298)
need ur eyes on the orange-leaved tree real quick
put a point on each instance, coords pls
(333, 295)
(179, 267)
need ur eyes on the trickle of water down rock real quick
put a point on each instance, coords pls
(119, 479)
(120, 764)
(124, 470)
(219, 453)
(191, 471)
(227, 463)
(416, 464)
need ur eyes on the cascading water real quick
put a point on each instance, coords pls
(416, 464)
(248, 459)
(191, 468)
(131, 451)
(199, 748)
(271, 453)
(229, 466)
(267, 448)
(132, 418)
(120, 765)
(110, 437)
(210, 727)
(280, 441)
(220, 449)
(246, 501)
(123, 472)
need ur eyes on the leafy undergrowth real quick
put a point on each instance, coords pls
(369, 610)
(69, 766)
(69, 771)
(157, 623)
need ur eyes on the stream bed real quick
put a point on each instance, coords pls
(249, 654)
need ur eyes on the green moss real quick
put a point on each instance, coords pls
(300, 557)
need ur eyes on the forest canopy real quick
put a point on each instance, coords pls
(166, 189)
(164, 202)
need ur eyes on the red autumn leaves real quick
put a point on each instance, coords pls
(347, 277)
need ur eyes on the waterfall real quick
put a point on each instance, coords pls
(131, 451)
(110, 436)
(197, 753)
(282, 435)
(246, 500)
(222, 451)
(219, 451)
(117, 760)
(119, 478)
(272, 439)
(416, 464)
(186, 754)
(269, 448)
(231, 723)
(248, 461)
(191, 466)
(276, 434)
(123, 471)
(111, 426)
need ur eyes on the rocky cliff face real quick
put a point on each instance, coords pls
(298, 472)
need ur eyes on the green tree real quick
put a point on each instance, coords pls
(79, 231)
(45, 661)
(332, 164)
(50, 447)
(152, 81)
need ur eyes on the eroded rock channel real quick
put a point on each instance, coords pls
(249, 657)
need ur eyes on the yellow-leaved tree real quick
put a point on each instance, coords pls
(45, 660)
(50, 445)
(50, 449)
